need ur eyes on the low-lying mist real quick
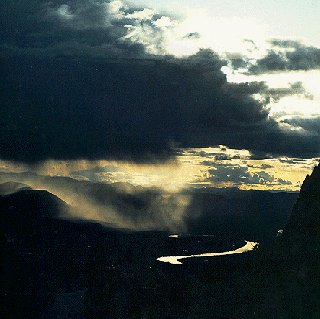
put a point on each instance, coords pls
(119, 205)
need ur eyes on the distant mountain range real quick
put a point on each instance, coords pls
(12, 187)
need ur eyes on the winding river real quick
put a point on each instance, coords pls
(175, 260)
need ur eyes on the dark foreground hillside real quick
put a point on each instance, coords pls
(293, 264)
(57, 268)
(42, 256)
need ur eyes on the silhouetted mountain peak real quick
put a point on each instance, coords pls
(301, 236)
(33, 203)
(311, 184)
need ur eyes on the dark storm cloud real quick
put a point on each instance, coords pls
(310, 125)
(238, 63)
(77, 28)
(237, 60)
(273, 61)
(287, 44)
(274, 94)
(74, 85)
(287, 55)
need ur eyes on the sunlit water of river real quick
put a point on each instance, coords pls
(175, 260)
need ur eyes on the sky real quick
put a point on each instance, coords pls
(278, 18)
(168, 95)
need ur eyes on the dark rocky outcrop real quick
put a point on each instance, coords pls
(290, 277)
(302, 233)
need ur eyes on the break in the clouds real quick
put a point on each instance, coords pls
(91, 79)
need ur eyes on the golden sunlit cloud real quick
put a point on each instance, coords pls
(200, 167)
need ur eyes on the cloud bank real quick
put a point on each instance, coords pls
(90, 80)
(286, 55)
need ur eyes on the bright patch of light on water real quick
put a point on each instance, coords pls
(175, 260)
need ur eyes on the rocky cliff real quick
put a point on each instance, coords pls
(289, 279)
(301, 236)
